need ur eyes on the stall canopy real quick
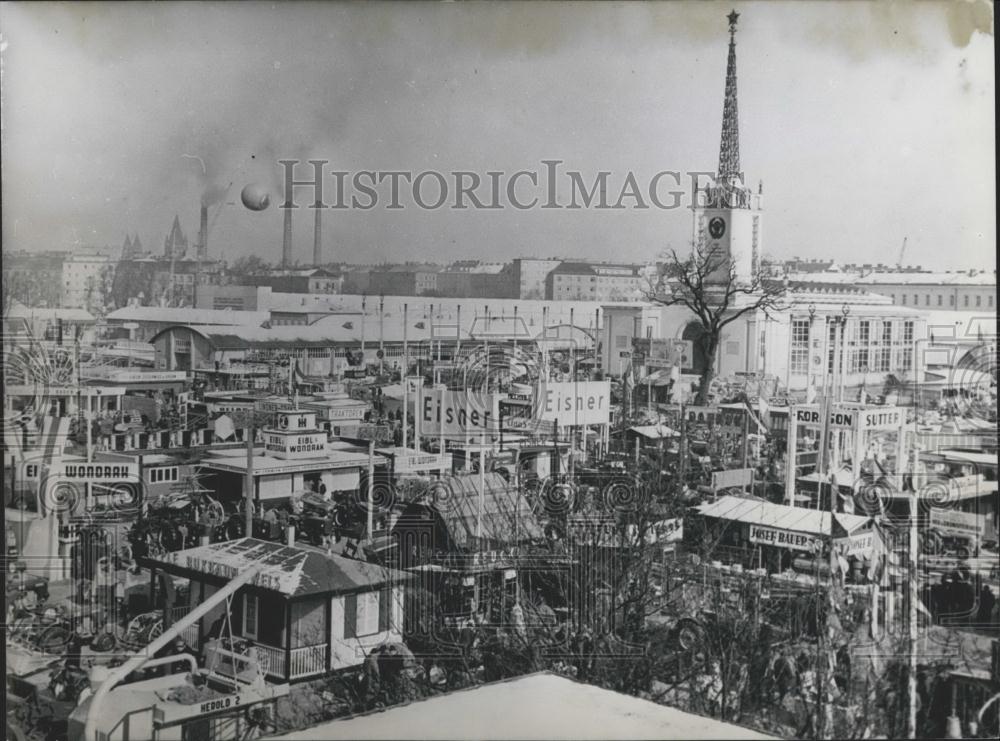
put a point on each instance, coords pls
(654, 432)
(843, 477)
(657, 378)
(963, 456)
(783, 517)
(964, 379)
(393, 391)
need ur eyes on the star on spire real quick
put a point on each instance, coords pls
(729, 149)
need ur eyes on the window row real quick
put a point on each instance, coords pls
(876, 346)
(939, 300)
(157, 475)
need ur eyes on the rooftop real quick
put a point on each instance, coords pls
(293, 571)
(590, 268)
(872, 278)
(19, 310)
(542, 705)
(779, 516)
(222, 317)
(324, 331)
(957, 278)
(506, 515)
(234, 460)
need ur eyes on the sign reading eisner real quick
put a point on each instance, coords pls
(570, 403)
(783, 538)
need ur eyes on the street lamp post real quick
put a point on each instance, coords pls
(809, 340)
(845, 310)
(248, 483)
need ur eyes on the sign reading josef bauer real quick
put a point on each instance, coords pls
(783, 538)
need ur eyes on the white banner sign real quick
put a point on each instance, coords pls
(309, 445)
(860, 544)
(659, 363)
(731, 478)
(572, 403)
(458, 413)
(879, 418)
(90, 473)
(883, 418)
(422, 462)
(670, 531)
(783, 538)
(840, 419)
(127, 376)
(337, 413)
(962, 523)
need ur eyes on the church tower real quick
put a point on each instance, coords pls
(127, 253)
(728, 214)
(175, 245)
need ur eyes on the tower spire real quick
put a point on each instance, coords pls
(729, 148)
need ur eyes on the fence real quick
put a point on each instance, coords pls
(308, 660)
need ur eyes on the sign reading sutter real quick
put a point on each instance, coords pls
(876, 418)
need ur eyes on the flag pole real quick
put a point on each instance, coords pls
(403, 376)
(418, 411)
(371, 489)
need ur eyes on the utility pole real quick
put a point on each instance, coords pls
(914, 595)
(482, 490)
(441, 395)
(371, 489)
(826, 656)
(248, 482)
(404, 376)
(381, 343)
(364, 314)
(682, 463)
(746, 432)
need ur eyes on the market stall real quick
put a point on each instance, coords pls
(756, 534)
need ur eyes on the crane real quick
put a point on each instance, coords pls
(142, 657)
(902, 252)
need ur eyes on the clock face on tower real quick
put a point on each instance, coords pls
(717, 227)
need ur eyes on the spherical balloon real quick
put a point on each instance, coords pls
(255, 198)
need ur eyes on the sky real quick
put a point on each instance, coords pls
(866, 123)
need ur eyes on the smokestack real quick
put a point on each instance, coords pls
(203, 233)
(318, 239)
(286, 246)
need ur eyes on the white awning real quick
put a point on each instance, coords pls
(780, 516)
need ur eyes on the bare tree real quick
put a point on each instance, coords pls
(130, 280)
(247, 265)
(706, 282)
(28, 285)
(10, 288)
